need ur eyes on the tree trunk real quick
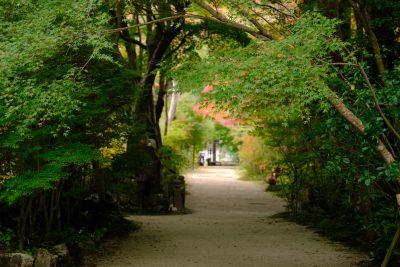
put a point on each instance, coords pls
(161, 98)
(166, 122)
(174, 103)
(364, 19)
(24, 210)
(99, 180)
(58, 204)
(193, 155)
(215, 152)
(357, 123)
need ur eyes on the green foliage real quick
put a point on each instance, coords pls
(171, 161)
(256, 157)
(188, 135)
(226, 137)
(63, 96)
(42, 82)
(29, 182)
(201, 39)
(187, 129)
(49, 52)
(250, 79)
(7, 237)
(190, 132)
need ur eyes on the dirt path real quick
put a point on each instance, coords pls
(230, 226)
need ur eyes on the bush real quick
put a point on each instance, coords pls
(7, 237)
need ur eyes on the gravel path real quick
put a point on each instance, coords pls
(231, 225)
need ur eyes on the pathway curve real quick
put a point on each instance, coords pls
(231, 225)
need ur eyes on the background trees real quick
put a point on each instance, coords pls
(57, 73)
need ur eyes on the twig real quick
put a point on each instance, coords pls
(376, 101)
(84, 66)
(182, 42)
(147, 23)
(388, 123)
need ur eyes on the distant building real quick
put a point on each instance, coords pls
(215, 154)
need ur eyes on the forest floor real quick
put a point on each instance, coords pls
(230, 224)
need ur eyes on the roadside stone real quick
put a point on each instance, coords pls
(16, 260)
(44, 258)
(64, 258)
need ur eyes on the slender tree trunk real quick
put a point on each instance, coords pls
(215, 152)
(193, 155)
(24, 209)
(166, 122)
(98, 179)
(58, 204)
(49, 223)
(364, 19)
(174, 103)
(43, 204)
(357, 123)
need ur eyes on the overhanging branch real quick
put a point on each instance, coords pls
(247, 29)
(223, 19)
(133, 41)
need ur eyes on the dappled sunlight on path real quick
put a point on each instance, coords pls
(230, 225)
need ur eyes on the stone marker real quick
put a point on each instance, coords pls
(16, 260)
(44, 258)
(63, 256)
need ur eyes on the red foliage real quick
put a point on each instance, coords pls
(221, 117)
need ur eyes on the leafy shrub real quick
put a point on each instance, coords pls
(7, 237)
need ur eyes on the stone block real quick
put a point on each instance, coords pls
(16, 260)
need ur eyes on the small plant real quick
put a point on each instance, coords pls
(7, 237)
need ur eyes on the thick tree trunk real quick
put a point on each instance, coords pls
(158, 43)
(145, 112)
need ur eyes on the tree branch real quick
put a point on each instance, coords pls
(222, 18)
(255, 22)
(357, 123)
(375, 98)
(388, 123)
(182, 42)
(228, 23)
(147, 23)
(289, 14)
(133, 41)
(268, 22)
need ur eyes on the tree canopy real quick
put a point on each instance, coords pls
(84, 84)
